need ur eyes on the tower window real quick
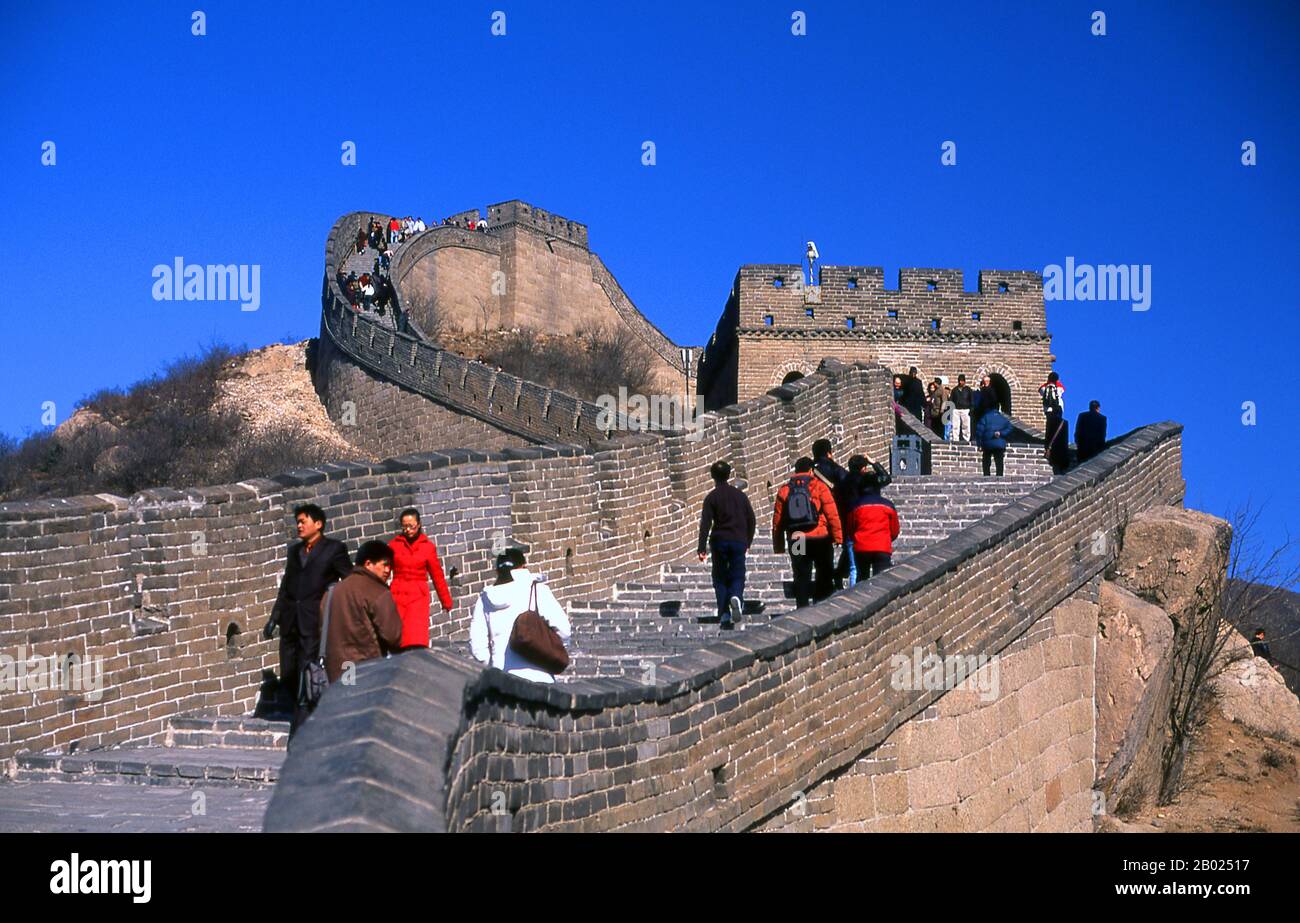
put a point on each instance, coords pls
(808, 312)
(850, 322)
(892, 312)
(853, 283)
(974, 315)
(1002, 288)
(931, 285)
(934, 323)
(778, 282)
(1016, 325)
(767, 320)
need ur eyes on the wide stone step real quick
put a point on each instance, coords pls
(251, 767)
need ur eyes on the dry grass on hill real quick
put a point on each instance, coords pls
(585, 365)
(214, 418)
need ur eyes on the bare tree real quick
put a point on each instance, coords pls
(1252, 576)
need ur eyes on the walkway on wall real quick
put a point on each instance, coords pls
(646, 623)
(236, 761)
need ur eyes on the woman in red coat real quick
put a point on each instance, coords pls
(415, 560)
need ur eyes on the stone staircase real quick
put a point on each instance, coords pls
(642, 624)
(197, 750)
(639, 625)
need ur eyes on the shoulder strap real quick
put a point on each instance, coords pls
(325, 619)
(487, 620)
(532, 596)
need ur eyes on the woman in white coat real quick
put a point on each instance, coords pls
(499, 605)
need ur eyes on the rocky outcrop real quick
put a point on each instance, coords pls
(1135, 643)
(1169, 553)
(1251, 692)
(1177, 560)
(270, 388)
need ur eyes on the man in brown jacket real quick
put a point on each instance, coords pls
(363, 618)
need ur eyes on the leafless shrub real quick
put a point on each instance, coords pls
(161, 432)
(586, 366)
(1227, 593)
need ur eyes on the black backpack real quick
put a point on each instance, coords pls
(800, 513)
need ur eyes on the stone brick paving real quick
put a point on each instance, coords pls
(65, 807)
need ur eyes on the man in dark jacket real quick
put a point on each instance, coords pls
(914, 394)
(844, 489)
(1090, 432)
(1259, 646)
(364, 622)
(314, 563)
(727, 529)
(991, 435)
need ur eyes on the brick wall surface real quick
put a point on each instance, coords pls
(153, 583)
(1010, 750)
(726, 737)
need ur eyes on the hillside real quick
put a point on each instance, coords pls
(219, 417)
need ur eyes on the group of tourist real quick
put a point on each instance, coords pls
(979, 417)
(334, 611)
(370, 291)
(820, 506)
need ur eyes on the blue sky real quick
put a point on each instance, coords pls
(1123, 148)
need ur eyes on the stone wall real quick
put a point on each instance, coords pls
(397, 369)
(529, 269)
(386, 419)
(1009, 750)
(766, 356)
(929, 321)
(155, 582)
(728, 737)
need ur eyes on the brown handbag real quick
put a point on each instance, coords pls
(536, 641)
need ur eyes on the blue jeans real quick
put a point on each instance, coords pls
(728, 573)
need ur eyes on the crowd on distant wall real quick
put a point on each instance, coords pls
(981, 417)
(372, 290)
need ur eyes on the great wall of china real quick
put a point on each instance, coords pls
(663, 724)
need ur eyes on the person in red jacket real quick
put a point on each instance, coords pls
(415, 560)
(872, 523)
(805, 511)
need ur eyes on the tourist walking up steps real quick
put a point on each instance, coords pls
(844, 490)
(363, 619)
(804, 517)
(991, 434)
(873, 521)
(726, 530)
(314, 563)
(516, 591)
(1057, 450)
(415, 561)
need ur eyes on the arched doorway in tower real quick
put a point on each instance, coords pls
(1002, 390)
(792, 376)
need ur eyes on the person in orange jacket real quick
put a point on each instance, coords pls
(415, 560)
(805, 511)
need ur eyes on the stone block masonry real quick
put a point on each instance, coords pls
(171, 587)
(773, 326)
(729, 736)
